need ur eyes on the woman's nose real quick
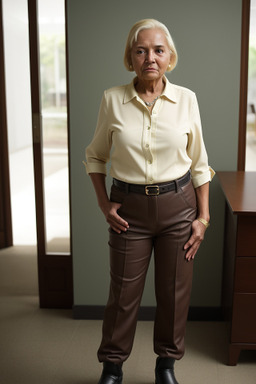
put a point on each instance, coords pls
(150, 56)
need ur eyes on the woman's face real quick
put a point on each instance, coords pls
(150, 54)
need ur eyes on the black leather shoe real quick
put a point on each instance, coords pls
(165, 371)
(111, 374)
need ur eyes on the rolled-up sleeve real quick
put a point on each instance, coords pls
(98, 151)
(201, 172)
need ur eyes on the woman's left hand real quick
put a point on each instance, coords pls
(196, 238)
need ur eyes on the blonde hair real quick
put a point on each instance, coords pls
(133, 36)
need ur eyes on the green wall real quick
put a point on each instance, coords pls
(207, 36)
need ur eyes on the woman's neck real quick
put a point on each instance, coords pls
(149, 88)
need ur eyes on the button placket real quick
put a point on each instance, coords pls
(153, 143)
(146, 146)
(149, 141)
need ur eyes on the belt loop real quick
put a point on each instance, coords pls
(177, 186)
(126, 188)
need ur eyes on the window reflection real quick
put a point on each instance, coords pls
(54, 114)
(250, 164)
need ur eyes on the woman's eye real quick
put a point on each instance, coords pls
(159, 50)
(140, 52)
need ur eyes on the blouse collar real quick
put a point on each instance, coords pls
(169, 91)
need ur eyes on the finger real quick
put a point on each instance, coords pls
(193, 250)
(118, 228)
(190, 242)
(122, 222)
(118, 222)
(117, 206)
(115, 220)
(190, 255)
(192, 246)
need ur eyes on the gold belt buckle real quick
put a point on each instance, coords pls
(152, 190)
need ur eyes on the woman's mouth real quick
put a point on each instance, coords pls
(150, 69)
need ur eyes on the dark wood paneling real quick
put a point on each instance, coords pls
(245, 279)
(246, 235)
(36, 125)
(55, 274)
(239, 283)
(240, 191)
(6, 239)
(244, 318)
(235, 349)
(229, 252)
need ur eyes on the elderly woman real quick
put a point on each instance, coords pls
(150, 129)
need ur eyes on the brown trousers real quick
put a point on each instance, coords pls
(161, 223)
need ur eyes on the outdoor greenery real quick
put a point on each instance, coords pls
(53, 90)
(52, 56)
(252, 62)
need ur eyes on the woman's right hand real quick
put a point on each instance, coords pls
(108, 207)
(113, 219)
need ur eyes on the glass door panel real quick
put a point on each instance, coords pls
(250, 161)
(54, 124)
(18, 101)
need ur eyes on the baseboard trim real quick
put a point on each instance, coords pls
(95, 312)
(205, 314)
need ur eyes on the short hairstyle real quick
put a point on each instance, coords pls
(133, 36)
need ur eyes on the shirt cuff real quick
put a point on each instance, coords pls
(95, 168)
(203, 178)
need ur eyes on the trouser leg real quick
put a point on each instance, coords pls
(129, 260)
(173, 280)
(173, 277)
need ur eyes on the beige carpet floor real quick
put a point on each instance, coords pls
(49, 347)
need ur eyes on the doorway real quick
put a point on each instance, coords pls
(54, 116)
(43, 20)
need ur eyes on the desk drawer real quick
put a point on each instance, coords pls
(246, 230)
(244, 319)
(245, 275)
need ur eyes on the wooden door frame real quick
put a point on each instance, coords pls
(54, 270)
(246, 5)
(6, 237)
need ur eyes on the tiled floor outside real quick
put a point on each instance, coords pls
(56, 198)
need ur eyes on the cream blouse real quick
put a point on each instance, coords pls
(146, 148)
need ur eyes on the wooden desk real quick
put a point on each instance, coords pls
(239, 261)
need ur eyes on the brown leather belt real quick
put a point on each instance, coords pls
(152, 189)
